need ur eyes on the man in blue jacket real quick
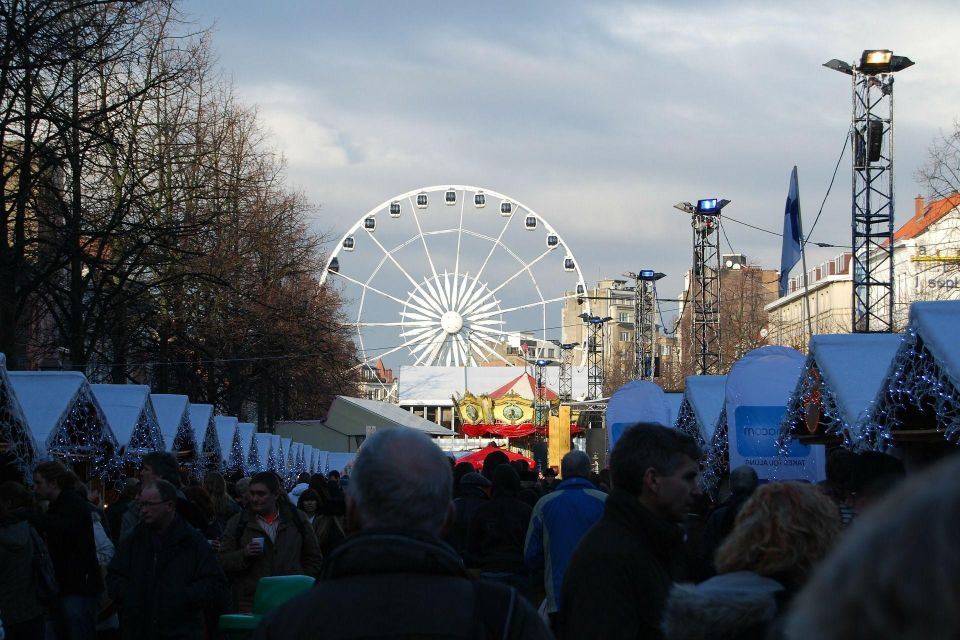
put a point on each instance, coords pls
(559, 521)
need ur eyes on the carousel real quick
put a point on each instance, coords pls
(517, 409)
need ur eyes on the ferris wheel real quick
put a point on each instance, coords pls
(455, 275)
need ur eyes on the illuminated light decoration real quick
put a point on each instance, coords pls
(19, 446)
(246, 432)
(259, 459)
(687, 423)
(921, 392)
(201, 419)
(286, 459)
(273, 459)
(66, 422)
(716, 462)
(838, 384)
(173, 416)
(132, 419)
(231, 453)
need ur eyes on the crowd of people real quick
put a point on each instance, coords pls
(413, 545)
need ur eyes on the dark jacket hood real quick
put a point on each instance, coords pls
(732, 606)
(392, 551)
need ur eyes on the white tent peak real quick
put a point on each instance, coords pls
(124, 405)
(171, 409)
(936, 323)
(45, 397)
(853, 367)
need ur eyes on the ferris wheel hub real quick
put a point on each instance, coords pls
(451, 322)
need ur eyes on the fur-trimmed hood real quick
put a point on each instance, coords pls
(732, 606)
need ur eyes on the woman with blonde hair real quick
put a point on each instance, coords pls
(224, 507)
(783, 531)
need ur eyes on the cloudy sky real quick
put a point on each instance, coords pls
(598, 115)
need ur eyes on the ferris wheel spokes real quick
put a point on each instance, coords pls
(423, 238)
(367, 287)
(427, 298)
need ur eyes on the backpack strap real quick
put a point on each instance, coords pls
(493, 607)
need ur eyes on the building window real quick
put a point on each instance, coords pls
(665, 350)
(624, 317)
(624, 336)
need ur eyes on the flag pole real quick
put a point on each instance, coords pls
(803, 260)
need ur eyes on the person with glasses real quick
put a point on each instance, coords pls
(165, 576)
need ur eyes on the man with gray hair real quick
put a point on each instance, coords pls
(560, 519)
(398, 503)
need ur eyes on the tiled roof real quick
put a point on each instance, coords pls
(926, 217)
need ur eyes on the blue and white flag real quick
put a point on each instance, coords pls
(790, 253)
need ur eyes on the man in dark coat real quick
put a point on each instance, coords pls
(68, 528)
(394, 577)
(162, 465)
(497, 533)
(621, 572)
(165, 576)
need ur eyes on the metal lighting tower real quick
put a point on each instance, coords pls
(565, 387)
(645, 323)
(871, 137)
(594, 354)
(706, 282)
(541, 414)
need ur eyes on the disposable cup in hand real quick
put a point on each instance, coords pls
(258, 542)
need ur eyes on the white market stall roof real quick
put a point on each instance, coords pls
(436, 386)
(56, 404)
(130, 415)
(337, 461)
(308, 458)
(285, 445)
(173, 415)
(278, 464)
(227, 432)
(935, 323)
(674, 400)
(921, 392)
(354, 415)
(847, 370)
(13, 426)
(205, 434)
(246, 431)
(702, 404)
(260, 452)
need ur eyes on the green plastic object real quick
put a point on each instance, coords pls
(271, 592)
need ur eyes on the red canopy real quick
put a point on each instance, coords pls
(477, 457)
(508, 430)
